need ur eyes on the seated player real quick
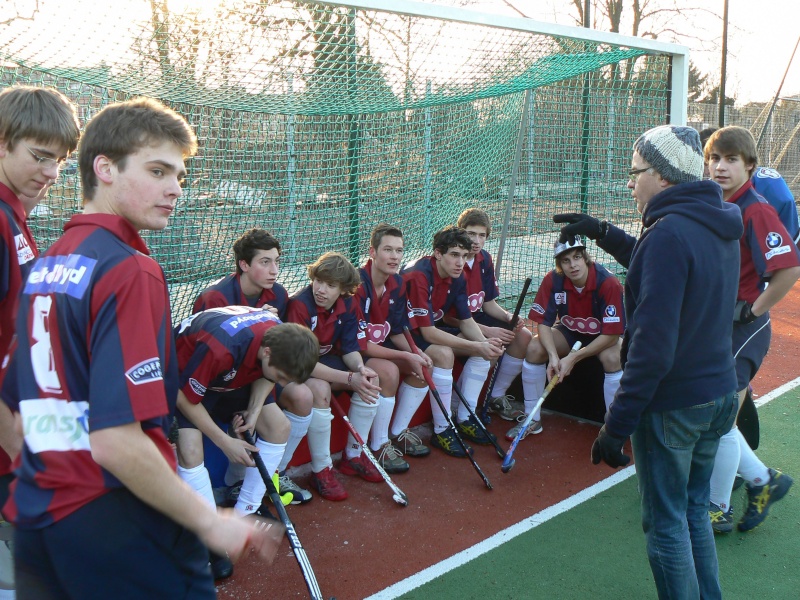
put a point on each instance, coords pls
(493, 320)
(257, 254)
(236, 348)
(327, 308)
(435, 285)
(587, 301)
(382, 298)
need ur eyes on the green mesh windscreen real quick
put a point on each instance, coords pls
(317, 122)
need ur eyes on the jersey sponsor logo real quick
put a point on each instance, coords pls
(377, 332)
(767, 173)
(416, 312)
(24, 251)
(588, 325)
(235, 324)
(325, 349)
(61, 275)
(437, 316)
(146, 371)
(774, 241)
(197, 387)
(475, 301)
(230, 376)
(611, 314)
(55, 425)
(537, 308)
(561, 297)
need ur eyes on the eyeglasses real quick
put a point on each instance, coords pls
(44, 161)
(633, 174)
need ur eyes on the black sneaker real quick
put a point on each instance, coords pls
(447, 442)
(472, 430)
(221, 566)
(760, 498)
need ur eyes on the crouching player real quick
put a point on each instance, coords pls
(229, 359)
(327, 308)
(435, 285)
(587, 301)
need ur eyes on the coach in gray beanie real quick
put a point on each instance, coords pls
(674, 151)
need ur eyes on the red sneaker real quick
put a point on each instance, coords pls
(328, 486)
(361, 466)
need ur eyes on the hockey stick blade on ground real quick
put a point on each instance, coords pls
(508, 462)
(500, 452)
(398, 495)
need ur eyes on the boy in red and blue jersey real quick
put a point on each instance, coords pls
(382, 299)
(38, 130)
(327, 307)
(578, 301)
(768, 255)
(435, 285)
(96, 355)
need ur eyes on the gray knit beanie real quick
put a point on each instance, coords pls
(674, 151)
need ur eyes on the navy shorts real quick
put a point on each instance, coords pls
(334, 361)
(114, 547)
(221, 406)
(750, 346)
(573, 336)
(488, 320)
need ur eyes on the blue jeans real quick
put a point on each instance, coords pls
(674, 452)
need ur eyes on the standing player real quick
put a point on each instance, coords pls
(327, 308)
(492, 319)
(586, 299)
(767, 255)
(435, 285)
(38, 130)
(254, 283)
(99, 495)
(382, 298)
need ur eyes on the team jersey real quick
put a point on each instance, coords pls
(339, 329)
(431, 296)
(595, 310)
(765, 246)
(769, 184)
(95, 351)
(228, 291)
(385, 315)
(17, 252)
(481, 282)
(218, 348)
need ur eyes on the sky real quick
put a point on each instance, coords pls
(761, 37)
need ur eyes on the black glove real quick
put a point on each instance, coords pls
(608, 448)
(580, 224)
(743, 313)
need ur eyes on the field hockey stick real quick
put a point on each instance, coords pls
(294, 541)
(444, 410)
(457, 390)
(512, 324)
(398, 495)
(508, 462)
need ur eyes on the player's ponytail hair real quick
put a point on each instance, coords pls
(335, 269)
(294, 349)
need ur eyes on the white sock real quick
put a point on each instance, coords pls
(443, 380)
(254, 488)
(234, 474)
(726, 464)
(534, 379)
(510, 367)
(751, 468)
(471, 382)
(409, 399)
(299, 429)
(379, 434)
(199, 480)
(361, 416)
(610, 387)
(319, 439)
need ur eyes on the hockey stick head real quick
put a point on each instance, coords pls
(505, 468)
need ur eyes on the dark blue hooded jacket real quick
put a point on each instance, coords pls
(680, 292)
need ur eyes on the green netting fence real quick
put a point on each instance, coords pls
(317, 121)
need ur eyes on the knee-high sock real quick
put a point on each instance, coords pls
(726, 464)
(361, 416)
(471, 382)
(379, 434)
(254, 488)
(299, 429)
(199, 480)
(409, 399)
(610, 386)
(534, 378)
(234, 473)
(443, 380)
(510, 367)
(751, 468)
(319, 439)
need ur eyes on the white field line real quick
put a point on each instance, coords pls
(410, 583)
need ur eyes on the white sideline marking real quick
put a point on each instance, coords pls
(410, 583)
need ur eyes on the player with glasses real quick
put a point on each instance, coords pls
(45, 162)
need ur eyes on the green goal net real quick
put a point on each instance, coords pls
(318, 121)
